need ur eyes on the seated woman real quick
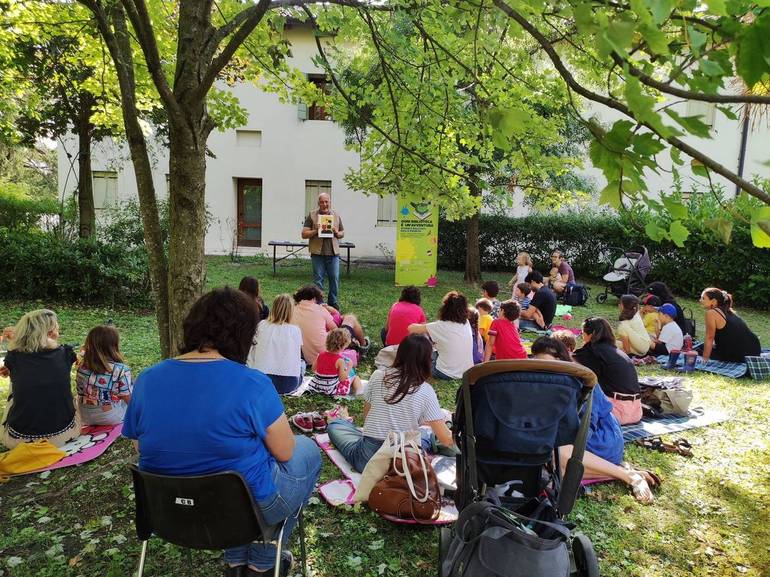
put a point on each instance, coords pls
(250, 286)
(397, 399)
(665, 295)
(205, 412)
(452, 337)
(103, 380)
(617, 375)
(604, 447)
(40, 405)
(277, 348)
(632, 334)
(728, 338)
(405, 312)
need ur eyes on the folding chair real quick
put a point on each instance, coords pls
(203, 512)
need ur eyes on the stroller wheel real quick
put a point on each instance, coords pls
(601, 298)
(444, 538)
(586, 563)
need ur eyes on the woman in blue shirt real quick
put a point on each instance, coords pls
(205, 411)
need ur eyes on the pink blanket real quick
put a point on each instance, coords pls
(91, 443)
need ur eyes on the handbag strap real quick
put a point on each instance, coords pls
(403, 445)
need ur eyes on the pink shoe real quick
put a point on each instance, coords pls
(319, 422)
(338, 412)
(303, 421)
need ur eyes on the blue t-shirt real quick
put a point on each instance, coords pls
(194, 418)
(605, 438)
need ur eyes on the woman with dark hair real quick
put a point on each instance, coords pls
(250, 286)
(604, 447)
(665, 295)
(396, 399)
(617, 375)
(205, 412)
(728, 338)
(632, 335)
(452, 337)
(405, 312)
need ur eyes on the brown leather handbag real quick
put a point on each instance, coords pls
(410, 488)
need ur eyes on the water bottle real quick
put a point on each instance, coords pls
(687, 345)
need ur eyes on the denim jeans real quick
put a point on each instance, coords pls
(528, 324)
(327, 266)
(294, 481)
(358, 449)
(437, 373)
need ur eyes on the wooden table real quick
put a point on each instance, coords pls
(292, 248)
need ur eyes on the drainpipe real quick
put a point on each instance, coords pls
(744, 143)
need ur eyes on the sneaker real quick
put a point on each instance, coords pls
(319, 422)
(338, 412)
(303, 421)
(366, 345)
(287, 562)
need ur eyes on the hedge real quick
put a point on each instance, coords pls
(590, 241)
(41, 266)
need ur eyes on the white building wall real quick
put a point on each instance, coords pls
(291, 152)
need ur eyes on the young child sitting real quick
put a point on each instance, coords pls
(567, 338)
(478, 341)
(504, 339)
(332, 370)
(522, 294)
(484, 307)
(649, 311)
(489, 290)
(671, 337)
(524, 266)
(103, 380)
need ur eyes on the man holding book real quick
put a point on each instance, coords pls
(323, 229)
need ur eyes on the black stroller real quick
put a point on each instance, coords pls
(511, 417)
(626, 274)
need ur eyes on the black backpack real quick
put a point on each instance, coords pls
(576, 295)
(490, 540)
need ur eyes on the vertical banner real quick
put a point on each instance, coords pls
(416, 241)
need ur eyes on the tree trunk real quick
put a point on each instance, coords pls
(187, 203)
(472, 251)
(114, 31)
(86, 208)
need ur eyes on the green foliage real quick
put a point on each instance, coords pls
(589, 240)
(20, 210)
(122, 224)
(42, 266)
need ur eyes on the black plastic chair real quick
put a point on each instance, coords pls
(203, 512)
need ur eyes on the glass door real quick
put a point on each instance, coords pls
(249, 212)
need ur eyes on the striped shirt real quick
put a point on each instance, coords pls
(407, 415)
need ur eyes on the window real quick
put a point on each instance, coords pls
(248, 138)
(312, 189)
(105, 189)
(387, 210)
(317, 111)
(706, 110)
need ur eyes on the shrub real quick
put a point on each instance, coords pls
(38, 265)
(21, 211)
(590, 240)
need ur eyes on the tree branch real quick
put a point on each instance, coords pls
(561, 68)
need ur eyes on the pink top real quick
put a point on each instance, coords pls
(507, 342)
(401, 315)
(314, 322)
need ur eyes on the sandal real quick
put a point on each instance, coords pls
(679, 447)
(653, 479)
(640, 488)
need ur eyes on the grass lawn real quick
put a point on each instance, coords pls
(711, 516)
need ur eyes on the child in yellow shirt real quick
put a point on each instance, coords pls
(484, 306)
(649, 310)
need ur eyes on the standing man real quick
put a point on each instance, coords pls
(561, 273)
(324, 250)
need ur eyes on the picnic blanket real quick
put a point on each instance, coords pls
(723, 368)
(671, 424)
(91, 443)
(562, 310)
(341, 491)
(759, 367)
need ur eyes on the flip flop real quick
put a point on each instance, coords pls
(678, 447)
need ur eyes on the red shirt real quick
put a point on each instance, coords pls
(401, 315)
(507, 342)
